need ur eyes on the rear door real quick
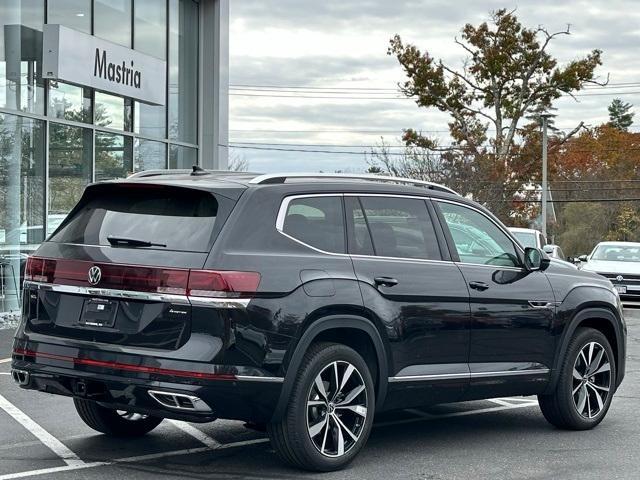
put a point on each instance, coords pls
(415, 292)
(512, 343)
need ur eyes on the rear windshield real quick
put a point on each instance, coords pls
(527, 239)
(170, 218)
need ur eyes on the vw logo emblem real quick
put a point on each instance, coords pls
(95, 274)
(619, 278)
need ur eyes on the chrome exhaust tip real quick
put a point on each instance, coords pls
(180, 401)
(21, 377)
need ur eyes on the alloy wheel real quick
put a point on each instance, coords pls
(337, 408)
(591, 380)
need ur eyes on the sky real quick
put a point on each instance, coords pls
(284, 54)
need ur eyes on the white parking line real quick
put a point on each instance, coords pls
(51, 442)
(5, 373)
(5, 360)
(197, 434)
(214, 445)
(138, 458)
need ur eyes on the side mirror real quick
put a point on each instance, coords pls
(535, 259)
(583, 258)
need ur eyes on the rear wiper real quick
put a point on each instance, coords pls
(132, 242)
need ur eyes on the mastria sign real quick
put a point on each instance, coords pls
(81, 59)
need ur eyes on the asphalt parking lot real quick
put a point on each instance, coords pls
(42, 437)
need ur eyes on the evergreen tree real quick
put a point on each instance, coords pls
(620, 114)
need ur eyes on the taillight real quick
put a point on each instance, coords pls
(222, 283)
(174, 281)
(39, 269)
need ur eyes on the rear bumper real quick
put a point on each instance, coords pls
(118, 382)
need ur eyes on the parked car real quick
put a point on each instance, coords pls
(620, 263)
(305, 304)
(529, 237)
(554, 251)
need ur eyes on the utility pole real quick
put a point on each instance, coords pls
(545, 186)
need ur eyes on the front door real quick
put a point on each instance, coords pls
(418, 295)
(512, 309)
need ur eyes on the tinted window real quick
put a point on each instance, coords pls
(477, 239)
(181, 219)
(400, 227)
(316, 221)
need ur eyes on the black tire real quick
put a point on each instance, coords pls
(291, 438)
(110, 422)
(561, 408)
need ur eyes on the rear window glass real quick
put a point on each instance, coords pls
(316, 221)
(173, 218)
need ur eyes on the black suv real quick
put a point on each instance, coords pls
(305, 304)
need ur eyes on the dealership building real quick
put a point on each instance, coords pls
(93, 90)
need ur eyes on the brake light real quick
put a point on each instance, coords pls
(222, 283)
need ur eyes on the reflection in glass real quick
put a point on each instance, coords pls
(183, 70)
(113, 112)
(21, 200)
(69, 167)
(112, 21)
(114, 156)
(182, 157)
(149, 155)
(21, 83)
(150, 120)
(74, 14)
(150, 26)
(69, 102)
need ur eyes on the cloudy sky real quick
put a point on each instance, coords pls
(284, 54)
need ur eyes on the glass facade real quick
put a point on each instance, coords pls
(56, 137)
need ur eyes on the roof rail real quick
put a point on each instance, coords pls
(282, 177)
(195, 171)
(153, 173)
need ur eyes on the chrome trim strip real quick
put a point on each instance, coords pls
(509, 373)
(251, 378)
(452, 376)
(218, 302)
(108, 292)
(542, 304)
(421, 378)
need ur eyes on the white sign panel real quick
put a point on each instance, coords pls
(76, 57)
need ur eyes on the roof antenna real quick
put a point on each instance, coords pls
(198, 170)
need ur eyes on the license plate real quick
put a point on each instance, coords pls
(98, 312)
(621, 288)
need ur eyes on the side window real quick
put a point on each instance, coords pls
(478, 239)
(316, 221)
(400, 227)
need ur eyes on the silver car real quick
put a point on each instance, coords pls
(620, 263)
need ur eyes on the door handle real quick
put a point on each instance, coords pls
(481, 286)
(385, 281)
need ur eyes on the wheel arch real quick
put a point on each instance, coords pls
(599, 318)
(337, 329)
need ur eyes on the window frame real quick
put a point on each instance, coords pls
(282, 214)
(452, 246)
